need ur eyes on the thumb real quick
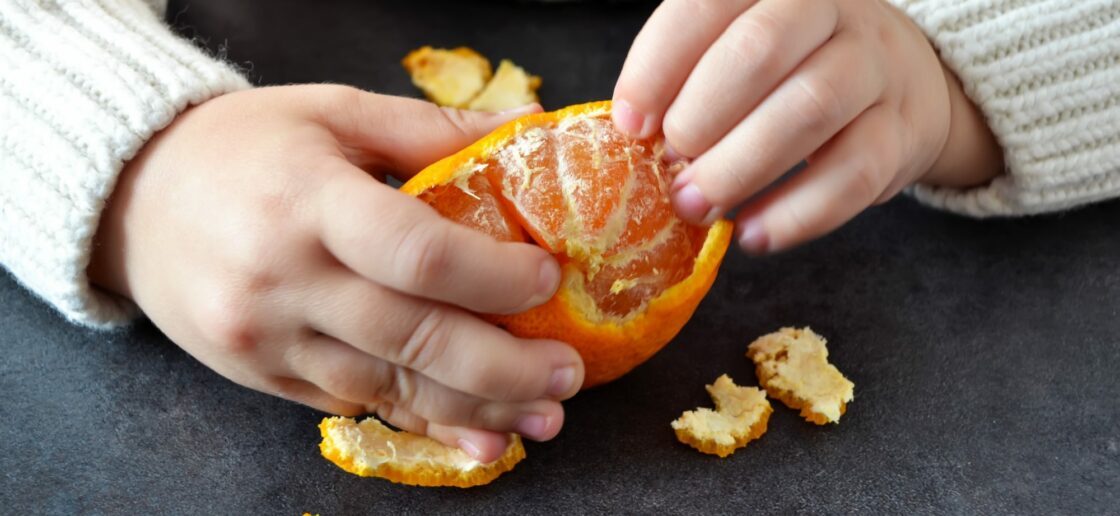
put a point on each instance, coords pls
(406, 135)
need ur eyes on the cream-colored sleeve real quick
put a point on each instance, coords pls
(84, 85)
(1046, 74)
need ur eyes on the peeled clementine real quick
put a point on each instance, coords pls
(633, 273)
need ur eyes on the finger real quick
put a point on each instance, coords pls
(852, 172)
(279, 383)
(663, 54)
(482, 445)
(760, 48)
(400, 242)
(349, 374)
(821, 96)
(444, 343)
(403, 134)
(485, 446)
(307, 393)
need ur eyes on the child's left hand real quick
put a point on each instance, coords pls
(750, 88)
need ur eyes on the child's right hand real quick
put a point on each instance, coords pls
(250, 232)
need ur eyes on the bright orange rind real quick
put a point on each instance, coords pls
(633, 272)
(371, 449)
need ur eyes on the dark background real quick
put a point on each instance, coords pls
(985, 353)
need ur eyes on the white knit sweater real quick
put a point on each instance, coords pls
(86, 82)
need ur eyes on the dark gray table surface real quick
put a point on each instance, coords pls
(985, 353)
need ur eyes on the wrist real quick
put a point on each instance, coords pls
(971, 155)
(110, 257)
(107, 266)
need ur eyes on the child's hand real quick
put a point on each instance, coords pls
(750, 88)
(249, 232)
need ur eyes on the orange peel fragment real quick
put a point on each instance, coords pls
(510, 87)
(448, 77)
(462, 78)
(792, 364)
(741, 416)
(371, 449)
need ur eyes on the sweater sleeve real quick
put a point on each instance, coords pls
(85, 84)
(1046, 75)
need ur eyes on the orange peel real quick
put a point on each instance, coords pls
(462, 78)
(371, 449)
(448, 77)
(792, 364)
(741, 416)
(510, 87)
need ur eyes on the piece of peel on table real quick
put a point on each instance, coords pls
(461, 78)
(371, 449)
(510, 87)
(448, 77)
(741, 416)
(792, 364)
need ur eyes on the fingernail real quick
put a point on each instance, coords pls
(629, 120)
(547, 282)
(754, 239)
(561, 381)
(533, 426)
(671, 154)
(693, 207)
(682, 179)
(470, 448)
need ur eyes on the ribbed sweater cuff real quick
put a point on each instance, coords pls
(85, 84)
(1046, 75)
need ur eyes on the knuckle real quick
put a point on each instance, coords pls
(427, 342)
(754, 44)
(341, 107)
(868, 184)
(681, 135)
(347, 385)
(489, 379)
(800, 225)
(398, 386)
(423, 257)
(253, 256)
(732, 183)
(284, 388)
(481, 415)
(386, 411)
(819, 106)
(703, 9)
(517, 384)
(402, 419)
(337, 98)
(459, 120)
(229, 322)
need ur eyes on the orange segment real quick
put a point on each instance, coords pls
(371, 449)
(598, 200)
(470, 201)
(526, 171)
